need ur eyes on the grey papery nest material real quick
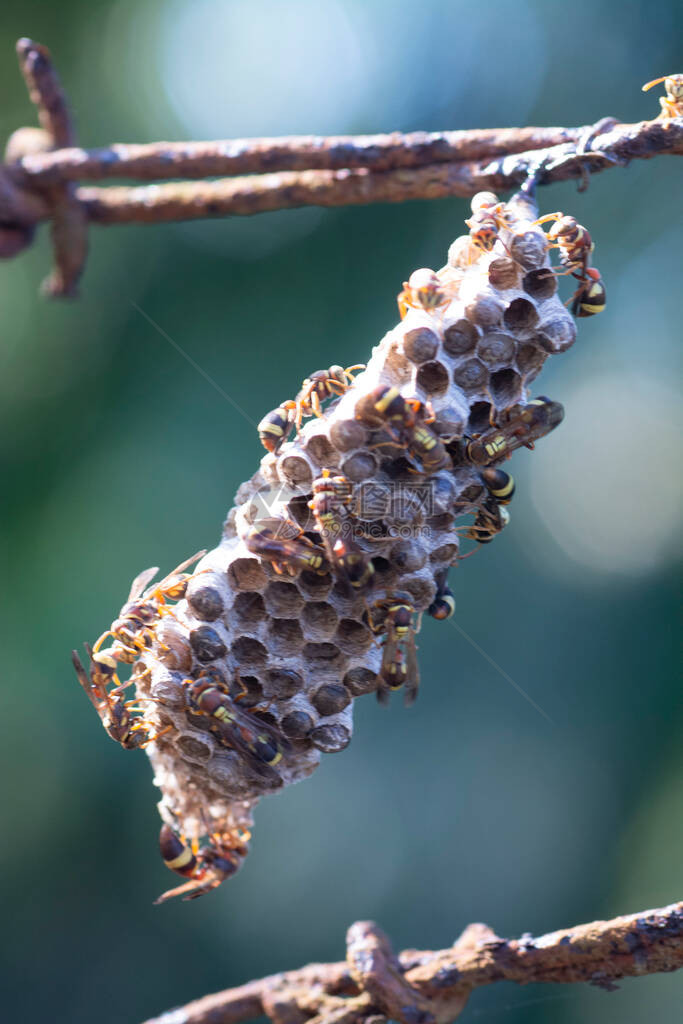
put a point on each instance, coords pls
(302, 644)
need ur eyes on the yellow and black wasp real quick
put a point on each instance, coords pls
(260, 744)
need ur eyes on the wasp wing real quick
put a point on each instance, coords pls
(140, 582)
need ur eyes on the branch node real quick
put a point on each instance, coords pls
(378, 972)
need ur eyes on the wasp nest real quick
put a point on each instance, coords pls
(301, 644)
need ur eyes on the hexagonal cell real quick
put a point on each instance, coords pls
(385, 574)
(359, 466)
(330, 699)
(433, 378)
(449, 423)
(445, 555)
(320, 449)
(173, 650)
(353, 637)
(346, 435)
(299, 512)
(318, 620)
(408, 555)
(193, 750)
(207, 644)
(204, 600)
(485, 311)
(520, 316)
(540, 284)
(282, 683)
(480, 418)
(506, 388)
(248, 689)
(283, 600)
(421, 590)
(324, 655)
(284, 637)
(297, 725)
(437, 524)
(420, 345)
(460, 337)
(359, 681)
(371, 501)
(249, 653)
(294, 469)
(530, 360)
(314, 587)
(246, 574)
(557, 334)
(529, 249)
(249, 609)
(331, 738)
(471, 375)
(496, 348)
(504, 273)
(169, 690)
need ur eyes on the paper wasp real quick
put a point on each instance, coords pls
(321, 385)
(399, 652)
(443, 605)
(575, 247)
(523, 426)
(423, 290)
(260, 744)
(133, 631)
(286, 554)
(406, 421)
(275, 428)
(114, 711)
(332, 496)
(487, 219)
(672, 102)
(206, 867)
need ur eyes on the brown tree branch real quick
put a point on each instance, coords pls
(433, 987)
(36, 185)
(229, 157)
(174, 201)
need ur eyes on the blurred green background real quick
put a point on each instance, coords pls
(117, 455)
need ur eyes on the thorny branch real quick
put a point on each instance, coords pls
(37, 180)
(433, 987)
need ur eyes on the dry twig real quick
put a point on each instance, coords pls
(274, 174)
(433, 987)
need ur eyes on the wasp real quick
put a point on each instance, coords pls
(423, 290)
(275, 428)
(443, 605)
(260, 744)
(331, 499)
(286, 554)
(321, 385)
(133, 630)
(575, 247)
(332, 496)
(399, 653)
(672, 102)
(489, 521)
(206, 867)
(499, 484)
(114, 711)
(523, 426)
(407, 421)
(590, 297)
(488, 217)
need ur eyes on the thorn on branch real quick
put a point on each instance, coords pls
(69, 223)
